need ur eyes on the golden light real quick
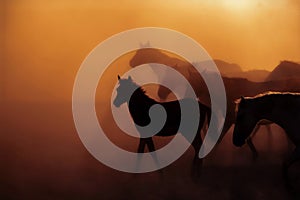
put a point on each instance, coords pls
(239, 4)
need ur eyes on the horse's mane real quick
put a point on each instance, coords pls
(140, 90)
(266, 94)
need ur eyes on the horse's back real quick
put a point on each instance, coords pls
(174, 114)
(291, 104)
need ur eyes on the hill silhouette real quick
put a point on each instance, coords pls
(256, 75)
(228, 69)
(285, 70)
(232, 70)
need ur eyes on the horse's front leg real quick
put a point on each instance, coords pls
(151, 149)
(140, 150)
(252, 148)
(250, 143)
(150, 144)
(142, 144)
(197, 162)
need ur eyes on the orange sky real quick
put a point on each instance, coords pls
(44, 42)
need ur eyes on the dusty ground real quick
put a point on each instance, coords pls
(43, 158)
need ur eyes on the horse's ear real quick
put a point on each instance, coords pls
(239, 100)
(119, 77)
(129, 78)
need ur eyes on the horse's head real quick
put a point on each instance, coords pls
(124, 91)
(141, 56)
(147, 54)
(246, 120)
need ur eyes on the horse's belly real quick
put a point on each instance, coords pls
(168, 131)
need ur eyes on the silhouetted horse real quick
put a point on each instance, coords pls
(139, 104)
(235, 87)
(280, 108)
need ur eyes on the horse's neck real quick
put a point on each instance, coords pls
(236, 88)
(139, 97)
(271, 109)
(167, 60)
(139, 105)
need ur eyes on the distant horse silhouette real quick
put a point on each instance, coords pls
(235, 87)
(280, 108)
(149, 55)
(139, 104)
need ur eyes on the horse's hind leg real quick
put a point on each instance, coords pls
(197, 162)
(151, 149)
(291, 160)
(197, 143)
(250, 143)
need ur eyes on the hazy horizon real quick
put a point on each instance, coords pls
(43, 43)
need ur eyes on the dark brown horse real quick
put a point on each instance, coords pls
(139, 104)
(235, 87)
(280, 108)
